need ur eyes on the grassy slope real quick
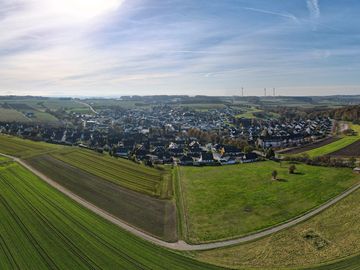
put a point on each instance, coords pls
(24, 148)
(229, 201)
(119, 171)
(338, 225)
(42, 229)
(12, 115)
(335, 146)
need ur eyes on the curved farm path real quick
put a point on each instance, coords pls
(181, 245)
(87, 105)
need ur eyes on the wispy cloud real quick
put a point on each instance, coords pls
(279, 14)
(170, 47)
(314, 9)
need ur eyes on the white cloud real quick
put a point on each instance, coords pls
(314, 9)
(279, 14)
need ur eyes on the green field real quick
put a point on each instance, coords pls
(15, 108)
(24, 148)
(122, 172)
(119, 171)
(338, 237)
(154, 216)
(106, 182)
(43, 117)
(226, 202)
(249, 113)
(332, 147)
(9, 115)
(203, 107)
(37, 216)
(335, 146)
(42, 229)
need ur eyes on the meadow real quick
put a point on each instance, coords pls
(249, 113)
(40, 228)
(15, 107)
(12, 116)
(329, 240)
(21, 148)
(231, 201)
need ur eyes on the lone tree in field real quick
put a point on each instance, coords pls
(292, 169)
(274, 174)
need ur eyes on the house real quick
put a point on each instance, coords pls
(228, 160)
(176, 152)
(232, 151)
(207, 159)
(356, 170)
(141, 153)
(122, 152)
(249, 157)
(186, 161)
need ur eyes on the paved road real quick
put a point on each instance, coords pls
(181, 245)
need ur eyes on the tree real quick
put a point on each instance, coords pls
(270, 153)
(274, 174)
(292, 169)
(352, 162)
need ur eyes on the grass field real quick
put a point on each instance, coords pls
(9, 115)
(106, 182)
(154, 182)
(43, 117)
(119, 171)
(154, 216)
(24, 148)
(249, 113)
(42, 229)
(309, 147)
(335, 146)
(337, 236)
(203, 107)
(332, 147)
(225, 202)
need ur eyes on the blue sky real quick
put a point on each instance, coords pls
(212, 47)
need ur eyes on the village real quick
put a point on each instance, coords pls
(165, 134)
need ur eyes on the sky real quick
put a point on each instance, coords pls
(178, 47)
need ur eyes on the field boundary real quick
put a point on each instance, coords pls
(181, 245)
(180, 206)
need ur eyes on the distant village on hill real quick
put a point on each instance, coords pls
(163, 133)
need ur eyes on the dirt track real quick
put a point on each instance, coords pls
(180, 245)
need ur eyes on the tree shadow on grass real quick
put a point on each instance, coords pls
(281, 180)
